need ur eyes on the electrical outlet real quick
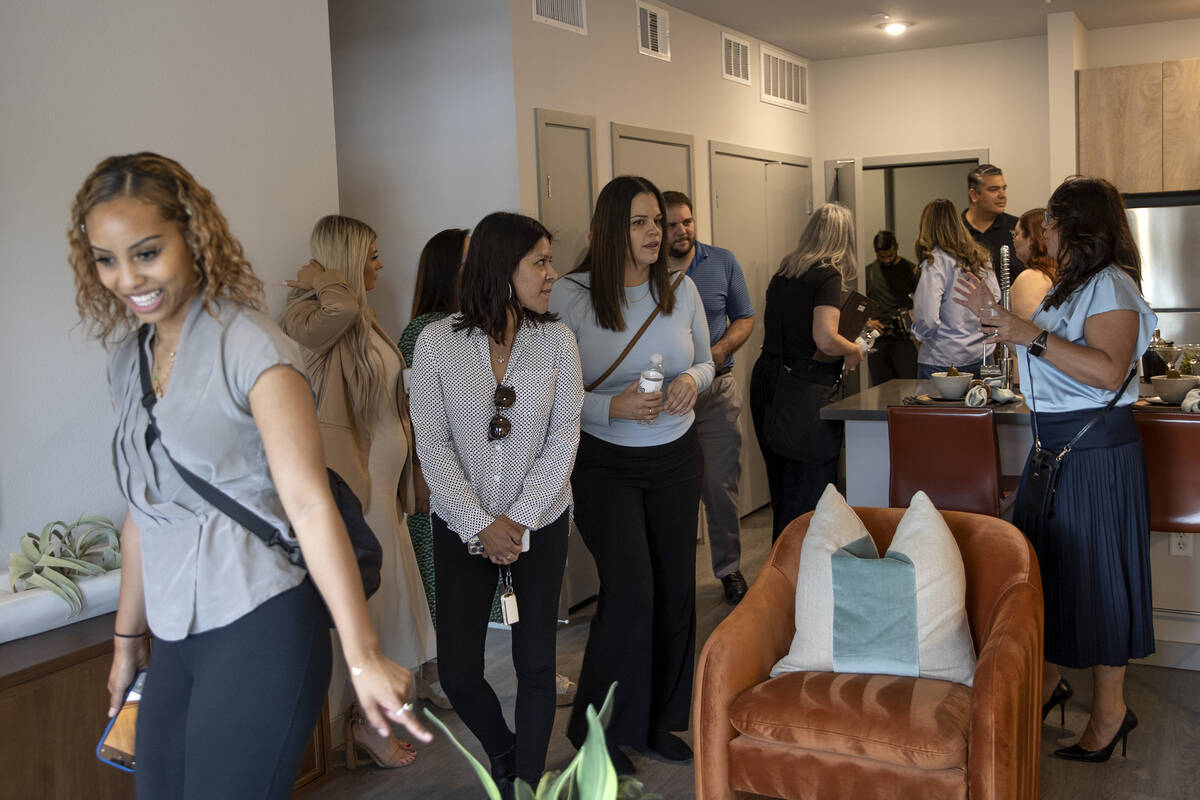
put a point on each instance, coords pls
(1181, 544)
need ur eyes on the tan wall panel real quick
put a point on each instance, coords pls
(1181, 125)
(1120, 125)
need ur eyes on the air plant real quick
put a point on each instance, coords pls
(62, 552)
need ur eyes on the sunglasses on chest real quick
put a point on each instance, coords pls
(503, 400)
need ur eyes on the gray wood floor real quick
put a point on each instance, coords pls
(1163, 760)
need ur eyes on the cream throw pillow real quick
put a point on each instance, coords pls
(903, 614)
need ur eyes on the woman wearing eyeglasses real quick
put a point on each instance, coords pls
(1079, 358)
(496, 397)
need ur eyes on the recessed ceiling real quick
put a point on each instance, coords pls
(842, 28)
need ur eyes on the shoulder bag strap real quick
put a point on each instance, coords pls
(591, 387)
(1037, 440)
(215, 497)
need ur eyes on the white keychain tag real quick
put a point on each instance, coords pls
(508, 600)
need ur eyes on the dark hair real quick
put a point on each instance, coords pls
(486, 292)
(673, 198)
(1033, 222)
(437, 273)
(1093, 232)
(884, 240)
(975, 177)
(610, 249)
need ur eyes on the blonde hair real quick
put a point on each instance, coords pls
(344, 244)
(220, 263)
(942, 228)
(828, 238)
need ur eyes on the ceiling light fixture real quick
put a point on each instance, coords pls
(894, 28)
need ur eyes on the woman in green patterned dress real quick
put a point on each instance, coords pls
(435, 297)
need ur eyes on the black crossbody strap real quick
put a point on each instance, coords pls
(1037, 439)
(215, 497)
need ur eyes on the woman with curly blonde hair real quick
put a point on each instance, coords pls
(949, 335)
(363, 413)
(241, 657)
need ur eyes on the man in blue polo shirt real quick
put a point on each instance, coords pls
(718, 277)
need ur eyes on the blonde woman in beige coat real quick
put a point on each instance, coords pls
(362, 409)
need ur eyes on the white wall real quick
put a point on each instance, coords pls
(240, 93)
(603, 75)
(426, 138)
(989, 95)
(1143, 44)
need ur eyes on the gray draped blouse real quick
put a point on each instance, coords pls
(200, 569)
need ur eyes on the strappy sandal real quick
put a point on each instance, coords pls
(387, 752)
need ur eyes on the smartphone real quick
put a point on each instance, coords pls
(116, 745)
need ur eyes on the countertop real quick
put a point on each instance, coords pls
(872, 404)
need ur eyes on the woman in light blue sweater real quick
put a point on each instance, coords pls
(638, 471)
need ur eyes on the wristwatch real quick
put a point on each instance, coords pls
(1037, 347)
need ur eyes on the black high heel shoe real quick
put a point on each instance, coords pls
(1077, 753)
(1059, 697)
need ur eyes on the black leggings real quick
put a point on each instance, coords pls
(466, 585)
(227, 713)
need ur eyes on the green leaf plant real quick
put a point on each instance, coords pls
(60, 553)
(589, 776)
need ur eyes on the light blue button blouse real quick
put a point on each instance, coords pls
(949, 333)
(1111, 289)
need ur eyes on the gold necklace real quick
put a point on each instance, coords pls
(159, 380)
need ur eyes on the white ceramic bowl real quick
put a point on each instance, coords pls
(952, 387)
(1173, 390)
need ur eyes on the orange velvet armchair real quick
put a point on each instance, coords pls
(826, 735)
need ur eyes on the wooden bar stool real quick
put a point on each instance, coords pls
(1172, 441)
(951, 454)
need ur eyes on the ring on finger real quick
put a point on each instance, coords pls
(402, 709)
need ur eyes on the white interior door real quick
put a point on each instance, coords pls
(761, 202)
(567, 183)
(662, 156)
(567, 189)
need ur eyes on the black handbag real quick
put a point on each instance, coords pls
(367, 550)
(1045, 467)
(792, 424)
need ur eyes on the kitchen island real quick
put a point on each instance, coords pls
(865, 415)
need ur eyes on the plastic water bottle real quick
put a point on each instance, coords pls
(651, 380)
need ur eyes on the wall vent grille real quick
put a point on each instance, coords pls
(784, 79)
(568, 14)
(735, 58)
(654, 31)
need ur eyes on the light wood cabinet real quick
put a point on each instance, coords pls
(1139, 125)
(1181, 125)
(1120, 125)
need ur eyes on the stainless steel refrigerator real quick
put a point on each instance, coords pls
(1167, 231)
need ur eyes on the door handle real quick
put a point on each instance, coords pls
(549, 193)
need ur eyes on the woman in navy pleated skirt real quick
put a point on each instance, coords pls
(1078, 364)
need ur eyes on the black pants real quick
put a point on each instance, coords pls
(466, 585)
(892, 357)
(637, 508)
(227, 713)
(795, 485)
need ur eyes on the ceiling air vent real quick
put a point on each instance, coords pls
(735, 58)
(568, 14)
(654, 31)
(784, 79)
